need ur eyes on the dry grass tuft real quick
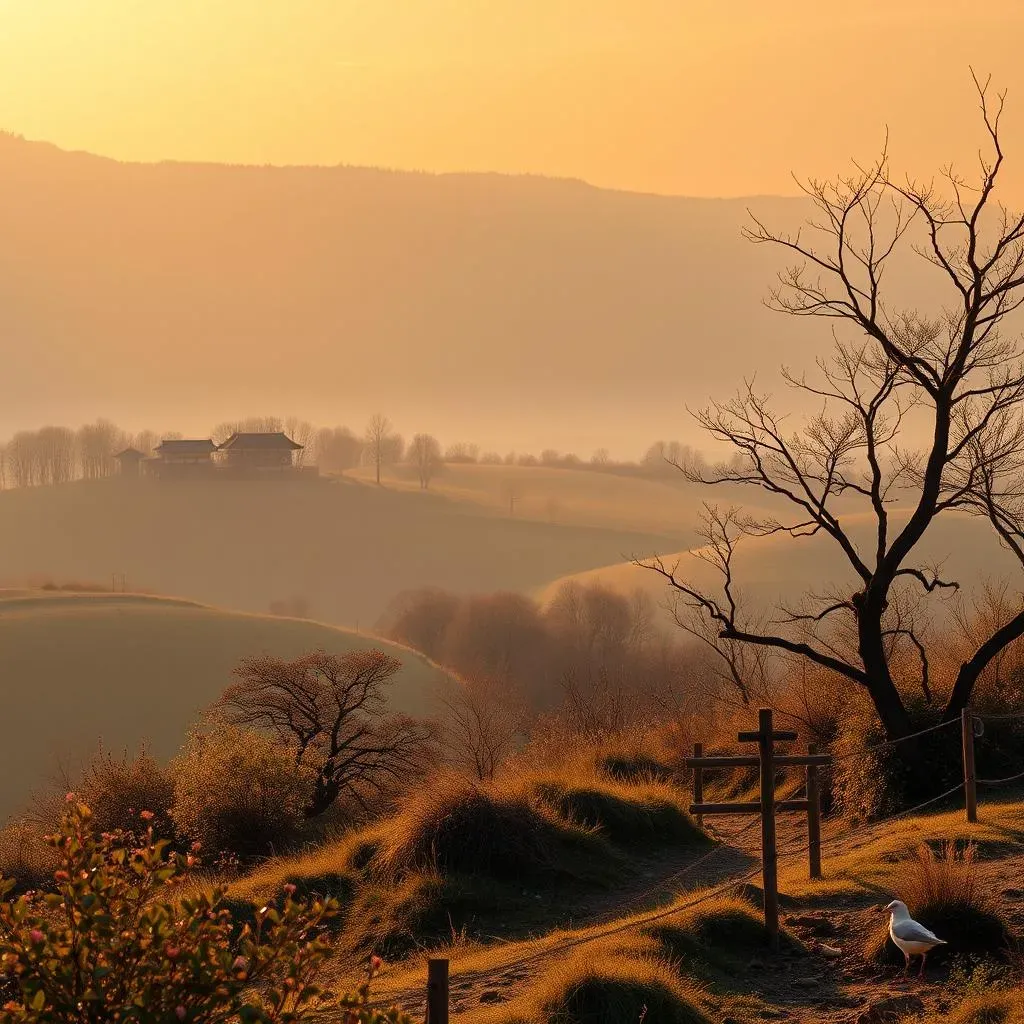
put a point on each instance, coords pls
(606, 988)
(721, 933)
(990, 1008)
(502, 831)
(638, 815)
(946, 893)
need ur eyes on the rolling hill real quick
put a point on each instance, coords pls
(345, 547)
(78, 669)
(772, 569)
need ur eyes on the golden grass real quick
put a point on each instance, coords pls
(870, 862)
(591, 986)
(577, 497)
(127, 669)
(945, 891)
(989, 1008)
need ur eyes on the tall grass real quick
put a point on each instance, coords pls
(945, 892)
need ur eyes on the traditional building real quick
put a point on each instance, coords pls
(175, 457)
(259, 452)
(130, 462)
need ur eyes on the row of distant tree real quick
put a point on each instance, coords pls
(55, 455)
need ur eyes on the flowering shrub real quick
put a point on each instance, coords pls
(117, 942)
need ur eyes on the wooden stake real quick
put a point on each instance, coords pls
(970, 777)
(769, 855)
(813, 815)
(698, 782)
(437, 992)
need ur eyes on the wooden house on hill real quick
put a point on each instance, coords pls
(130, 462)
(259, 452)
(183, 457)
(242, 455)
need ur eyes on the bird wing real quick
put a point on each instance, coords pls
(911, 931)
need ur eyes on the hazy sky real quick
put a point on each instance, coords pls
(703, 98)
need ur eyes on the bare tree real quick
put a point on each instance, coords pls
(337, 449)
(332, 711)
(481, 726)
(463, 452)
(425, 454)
(377, 433)
(301, 432)
(97, 445)
(953, 370)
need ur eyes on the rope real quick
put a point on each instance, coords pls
(1000, 782)
(662, 915)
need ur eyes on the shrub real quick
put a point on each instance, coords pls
(946, 894)
(105, 946)
(456, 825)
(25, 857)
(238, 792)
(116, 789)
(882, 780)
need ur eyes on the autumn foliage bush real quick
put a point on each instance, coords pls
(116, 940)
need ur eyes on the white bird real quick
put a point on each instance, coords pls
(912, 938)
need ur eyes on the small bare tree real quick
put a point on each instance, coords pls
(954, 371)
(481, 726)
(332, 711)
(378, 431)
(425, 454)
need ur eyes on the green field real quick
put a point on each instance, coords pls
(78, 669)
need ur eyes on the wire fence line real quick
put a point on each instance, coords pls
(655, 917)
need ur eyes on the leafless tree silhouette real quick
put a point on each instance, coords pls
(332, 711)
(953, 370)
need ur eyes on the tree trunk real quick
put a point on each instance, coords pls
(884, 694)
(969, 672)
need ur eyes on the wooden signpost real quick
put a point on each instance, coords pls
(767, 761)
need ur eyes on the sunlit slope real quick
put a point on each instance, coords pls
(79, 669)
(773, 569)
(345, 547)
(668, 506)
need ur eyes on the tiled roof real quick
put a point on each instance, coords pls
(262, 442)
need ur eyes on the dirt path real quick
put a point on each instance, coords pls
(811, 985)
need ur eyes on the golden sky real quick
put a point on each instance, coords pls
(701, 98)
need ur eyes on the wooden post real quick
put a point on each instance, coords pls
(437, 992)
(698, 782)
(970, 777)
(813, 815)
(769, 855)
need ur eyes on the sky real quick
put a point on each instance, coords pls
(670, 96)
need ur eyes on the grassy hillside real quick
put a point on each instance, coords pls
(773, 568)
(346, 547)
(593, 910)
(78, 669)
(667, 506)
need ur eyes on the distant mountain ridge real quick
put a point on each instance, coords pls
(501, 309)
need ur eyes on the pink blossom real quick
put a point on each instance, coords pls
(69, 797)
(146, 815)
(376, 963)
(179, 1012)
(240, 963)
(36, 935)
(172, 952)
(289, 889)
